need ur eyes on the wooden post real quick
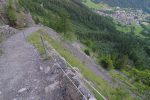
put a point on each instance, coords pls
(43, 45)
(24, 35)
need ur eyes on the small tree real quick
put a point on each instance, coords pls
(87, 52)
(66, 23)
(11, 13)
(107, 63)
(121, 63)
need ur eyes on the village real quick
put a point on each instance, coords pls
(125, 16)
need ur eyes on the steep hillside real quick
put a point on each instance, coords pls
(72, 9)
(111, 48)
(139, 4)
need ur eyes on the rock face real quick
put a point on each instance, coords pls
(67, 83)
(28, 20)
(24, 19)
(60, 87)
(6, 31)
(2, 2)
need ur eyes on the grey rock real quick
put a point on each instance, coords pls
(47, 69)
(22, 90)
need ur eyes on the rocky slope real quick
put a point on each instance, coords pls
(6, 31)
(24, 75)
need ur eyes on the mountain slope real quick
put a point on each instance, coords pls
(139, 4)
(24, 75)
(112, 49)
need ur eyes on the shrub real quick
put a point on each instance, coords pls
(121, 63)
(36, 19)
(87, 52)
(11, 14)
(88, 43)
(107, 63)
(142, 76)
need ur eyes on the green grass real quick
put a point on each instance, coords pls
(124, 29)
(35, 40)
(127, 29)
(148, 27)
(91, 4)
(137, 29)
(101, 85)
(136, 87)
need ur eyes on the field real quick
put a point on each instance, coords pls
(131, 29)
(91, 4)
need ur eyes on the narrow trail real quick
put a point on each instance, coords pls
(18, 66)
(25, 76)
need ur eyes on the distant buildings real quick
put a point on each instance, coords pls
(125, 16)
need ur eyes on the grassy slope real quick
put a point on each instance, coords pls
(91, 4)
(102, 86)
(125, 29)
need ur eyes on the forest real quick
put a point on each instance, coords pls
(112, 48)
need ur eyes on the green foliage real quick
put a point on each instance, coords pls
(36, 41)
(141, 76)
(87, 43)
(113, 47)
(43, 12)
(99, 83)
(121, 63)
(76, 10)
(36, 19)
(87, 52)
(11, 14)
(93, 5)
(97, 32)
(107, 62)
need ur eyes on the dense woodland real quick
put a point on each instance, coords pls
(139, 4)
(113, 49)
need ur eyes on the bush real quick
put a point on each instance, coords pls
(88, 43)
(121, 63)
(107, 63)
(142, 76)
(36, 19)
(11, 14)
(87, 52)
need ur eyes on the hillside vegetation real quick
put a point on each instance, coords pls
(112, 48)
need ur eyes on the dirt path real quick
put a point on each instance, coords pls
(18, 66)
(25, 76)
